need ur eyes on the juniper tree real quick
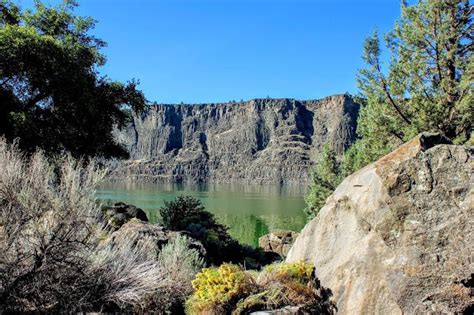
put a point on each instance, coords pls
(426, 86)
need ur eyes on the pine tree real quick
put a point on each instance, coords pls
(427, 85)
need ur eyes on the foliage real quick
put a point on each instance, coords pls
(427, 86)
(126, 277)
(186, 213)
(51, 94)
(325, 178)
(47, 227)
(230, 289)
(218, 289)
(279, 295)
(178, 213)
(56, 258)
(297, 271)
(130, 276)
(287, 284)
(179, 264)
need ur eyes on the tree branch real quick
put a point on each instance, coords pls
(387, 93)
(392, 101)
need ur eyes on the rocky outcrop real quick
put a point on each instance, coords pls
(397, 237)
(278, 241)
(259, 141)
(138, 231)
(116, 215)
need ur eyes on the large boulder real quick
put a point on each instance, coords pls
(116, 215)
(139, 231)
(278, 241)
(397, 236)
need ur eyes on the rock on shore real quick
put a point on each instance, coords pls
(278, 241)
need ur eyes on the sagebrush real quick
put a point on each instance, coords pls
(52, 259)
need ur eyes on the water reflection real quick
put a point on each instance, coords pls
(250, 211)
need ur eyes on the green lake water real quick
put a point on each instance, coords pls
(249, 211)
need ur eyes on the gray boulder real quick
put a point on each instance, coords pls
(397, 237)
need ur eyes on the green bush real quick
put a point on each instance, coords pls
(300, 272)
(179, 264)
(178, 213)
(186, 213)
(52, 95)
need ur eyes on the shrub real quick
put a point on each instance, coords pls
(230, 289)
(186, 213)
(282, 284)
(130, 276)
(179, 264)
(325, 177)
(125, 276)
(52, 258)
(47, 228)
(178, 213)
(300, 272)
(218, 289)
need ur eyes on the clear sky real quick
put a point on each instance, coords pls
(197, 51)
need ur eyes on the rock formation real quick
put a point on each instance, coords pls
(116, 215)
(259, 141)
(397, 237)
(137, 231)
(278, 241)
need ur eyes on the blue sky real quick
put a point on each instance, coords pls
(196, 51)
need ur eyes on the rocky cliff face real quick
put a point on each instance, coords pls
(259, 141)
(397, 237)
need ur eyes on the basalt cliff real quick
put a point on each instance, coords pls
(258, 141)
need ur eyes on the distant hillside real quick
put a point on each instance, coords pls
(257, 141)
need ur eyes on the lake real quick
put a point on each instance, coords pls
(249, 211)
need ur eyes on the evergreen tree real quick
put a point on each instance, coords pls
(51, 94)
(325, 178)
(427, 85)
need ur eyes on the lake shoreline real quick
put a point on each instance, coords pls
(250, 211)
